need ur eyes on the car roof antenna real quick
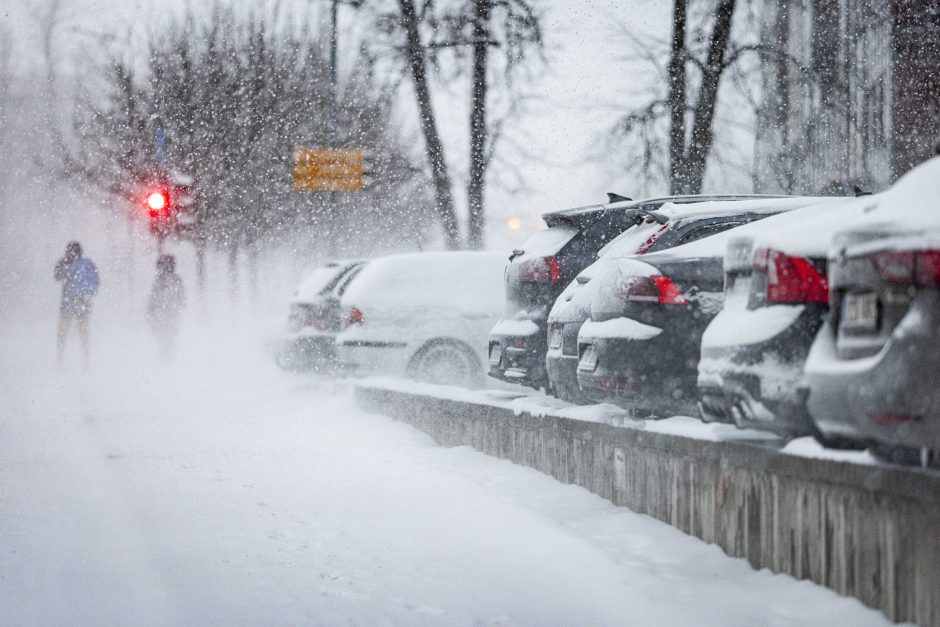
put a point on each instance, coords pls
(859, 191)
(612, 197)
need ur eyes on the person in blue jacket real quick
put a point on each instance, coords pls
(79, 278)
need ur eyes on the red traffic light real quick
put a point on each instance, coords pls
(157, 200)
(161, 211)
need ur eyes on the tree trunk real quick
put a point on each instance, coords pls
(677, 172)
(233, 270)
(201, 266)
(477, 177)
(702, 134)
(432, 141)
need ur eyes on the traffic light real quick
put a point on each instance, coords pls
(160, 211)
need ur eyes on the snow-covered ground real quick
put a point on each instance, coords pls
(219, 490)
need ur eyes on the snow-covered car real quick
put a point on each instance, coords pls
(539, 271)
(873, 369)
(776, 299)
(640, 348)
(315, 317)
(423, 315)
(673, 224)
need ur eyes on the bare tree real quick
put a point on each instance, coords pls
(699, 146)
(6, 80)
(515, 28)
(692, 70)
(461, 35)
(415, 52)
(234, 94)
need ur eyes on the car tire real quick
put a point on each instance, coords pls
(838, 443)
(904, 455)
(447, 363)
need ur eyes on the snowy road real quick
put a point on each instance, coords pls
(226, 492)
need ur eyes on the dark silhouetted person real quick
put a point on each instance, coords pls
(167, 299)
(79, 278)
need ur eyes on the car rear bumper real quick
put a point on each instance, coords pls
(562, 373)
(891, 397)
(754, 387)
(760, 385)
(643, 374)
(518, 358)
(372, 356)
(307, 352)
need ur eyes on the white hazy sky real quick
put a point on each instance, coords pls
(572, 102)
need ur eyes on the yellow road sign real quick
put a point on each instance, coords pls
(328, 169)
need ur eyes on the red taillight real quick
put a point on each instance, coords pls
(904, 267)
(645, 246)
(540, 270)
(791, 279)
(355, 317)
(652, 289)
(315, 320)
(893, 419)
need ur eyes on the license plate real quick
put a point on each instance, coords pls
(554, 340)
(860, 311)
(588, 360)
(496, 352)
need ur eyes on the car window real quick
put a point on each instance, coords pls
(707, 230)
(346, 279)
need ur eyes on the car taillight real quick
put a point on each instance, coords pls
(645, 246)
(540, 270)
(916, 268)
(791, 279)
(355, 317)
(652, 289)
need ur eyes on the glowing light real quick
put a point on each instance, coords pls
(156, 201)
(514, 224)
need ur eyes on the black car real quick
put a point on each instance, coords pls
(641, 347)
(674, 224)
(315, 317)
(540, 270)
(776, 299)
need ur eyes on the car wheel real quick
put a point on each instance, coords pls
(447, 363)
(287, 361)
(558, 391)
(901, 455)
(838, 443)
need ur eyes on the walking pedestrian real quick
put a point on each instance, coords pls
(79, 278)
(167, 299)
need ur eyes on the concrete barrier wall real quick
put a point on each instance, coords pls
(864, 531)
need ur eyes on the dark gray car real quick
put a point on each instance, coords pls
(873, 370)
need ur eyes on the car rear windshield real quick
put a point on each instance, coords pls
(318, 282)
(466, 282)
(550, 241)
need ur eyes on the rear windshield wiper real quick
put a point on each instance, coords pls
(636, 216)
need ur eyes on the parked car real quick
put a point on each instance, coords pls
(640, 347)
(872, 372)
(539, 271)
(776, 299)
(423, 315)
(674, 224)
(315, 318)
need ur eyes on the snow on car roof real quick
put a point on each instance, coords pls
(911, 203)
(807, 227)
(315, 282)
(459, 280)
(760, 204)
